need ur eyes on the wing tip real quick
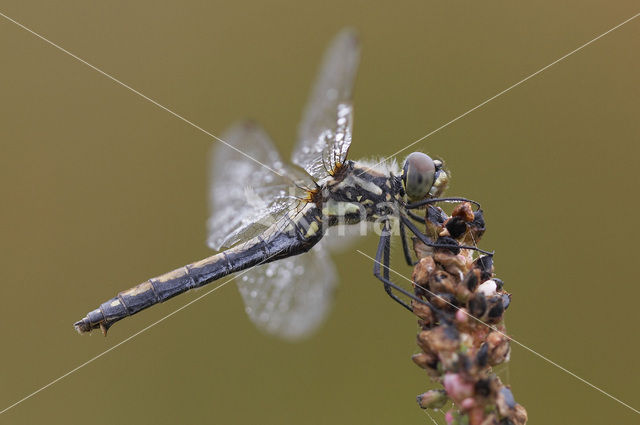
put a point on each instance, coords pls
(244, 124)
(348, 36)
(239, 132)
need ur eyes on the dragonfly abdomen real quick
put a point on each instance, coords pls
(150, 292)
(259, 250)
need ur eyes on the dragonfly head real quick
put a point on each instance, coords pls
(422, 176)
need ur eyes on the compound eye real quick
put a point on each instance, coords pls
(418, 175)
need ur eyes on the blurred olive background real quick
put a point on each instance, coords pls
(102, 190)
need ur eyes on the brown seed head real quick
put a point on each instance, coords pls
(464, 211)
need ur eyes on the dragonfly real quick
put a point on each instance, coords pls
(270, 219)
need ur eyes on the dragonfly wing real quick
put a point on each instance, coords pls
(324, 135)
(290, 297)
(250, 187)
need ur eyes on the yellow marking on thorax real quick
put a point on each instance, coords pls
(367, 185)
(353, 181)
(368, 170)
(337, 209)
(312, 230)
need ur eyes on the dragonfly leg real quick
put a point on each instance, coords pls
(425, 240)
(416, 217)
(405, 245)
(382, 273)
(436, 200)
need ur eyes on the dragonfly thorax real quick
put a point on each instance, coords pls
(358, 193)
